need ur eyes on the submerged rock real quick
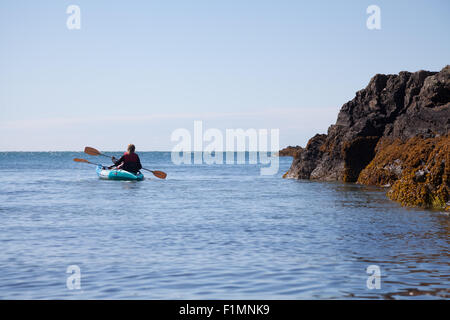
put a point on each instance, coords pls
(393, 133)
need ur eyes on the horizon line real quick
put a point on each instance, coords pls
(82, 151)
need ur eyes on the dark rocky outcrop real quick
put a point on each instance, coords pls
(290, 151)
(305, 160)
(391, 109)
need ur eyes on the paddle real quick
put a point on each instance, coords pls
(94, 152)
(85, 161)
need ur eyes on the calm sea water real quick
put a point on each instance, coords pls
(208, 232)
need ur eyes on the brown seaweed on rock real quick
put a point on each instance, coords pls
(290, 151)
(417, 169)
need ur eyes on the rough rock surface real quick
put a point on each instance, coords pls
(304, 161)
(391, 108)
(289, 151)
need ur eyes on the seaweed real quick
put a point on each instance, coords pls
(417, 169)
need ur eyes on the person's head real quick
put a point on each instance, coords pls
(131, 148)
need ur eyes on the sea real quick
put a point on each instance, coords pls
(208, 231)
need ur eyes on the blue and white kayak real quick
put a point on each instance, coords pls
(120, 174)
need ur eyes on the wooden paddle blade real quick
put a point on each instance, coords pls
(92, 151)
(159, 174)
(85, 161)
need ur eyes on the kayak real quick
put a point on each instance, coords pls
(118, 174)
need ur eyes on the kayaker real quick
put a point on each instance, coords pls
(129, 161)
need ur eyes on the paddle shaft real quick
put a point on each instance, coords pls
(148, 170)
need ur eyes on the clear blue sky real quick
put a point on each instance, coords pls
(137, 70)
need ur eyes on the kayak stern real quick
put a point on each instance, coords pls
(120, 174)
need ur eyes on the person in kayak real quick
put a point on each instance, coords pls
(129, 161)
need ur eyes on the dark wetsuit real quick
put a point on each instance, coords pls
(131, 162)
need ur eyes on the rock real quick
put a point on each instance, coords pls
(391, 109)
(306, 160)
(420, 175)
(423, 179)
(394, 168)
(427, 112)
(290, 151)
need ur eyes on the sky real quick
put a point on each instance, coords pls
(138, 70)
